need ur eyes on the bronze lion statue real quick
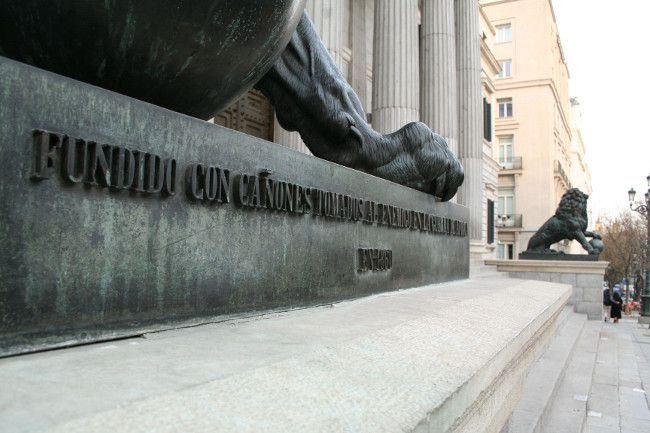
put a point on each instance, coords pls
(569, 222)
(196, 57)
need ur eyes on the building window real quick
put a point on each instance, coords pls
(487, 120)
(504, 33)
(506, 153)
(506, 68)
(506, 251)
(505, 107)
(506, 203)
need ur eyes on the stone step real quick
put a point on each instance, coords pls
(568, 410)
(428, 359)
(545, 376)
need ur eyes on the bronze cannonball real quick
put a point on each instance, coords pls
(194, 57)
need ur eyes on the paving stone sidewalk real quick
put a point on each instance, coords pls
(619, 400)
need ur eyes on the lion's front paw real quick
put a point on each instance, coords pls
(446, 185)
(439, 165)
(414, 156)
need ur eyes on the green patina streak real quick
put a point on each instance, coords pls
(128, 36)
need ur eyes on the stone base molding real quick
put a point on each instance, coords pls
(585, 277)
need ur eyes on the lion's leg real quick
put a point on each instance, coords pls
(592, 235)
(311, 96)
(580, 237)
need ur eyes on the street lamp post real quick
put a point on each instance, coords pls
(644, 209)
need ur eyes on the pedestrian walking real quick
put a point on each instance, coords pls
(607, 302)
(617, 304)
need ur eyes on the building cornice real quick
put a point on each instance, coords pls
(490, 58)
(487, 19)
(579, 140)
(490, 3)
(491, 162)
(505, 124)
(487, 83)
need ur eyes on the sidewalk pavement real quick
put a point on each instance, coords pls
(620, 392)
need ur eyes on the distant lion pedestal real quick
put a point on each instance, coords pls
(586, 277)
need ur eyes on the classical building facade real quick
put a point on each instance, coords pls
(411, 60)
(539, 149)
(580, 173)
(490, 68)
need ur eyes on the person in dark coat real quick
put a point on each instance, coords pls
(617, 304)
(607, 302)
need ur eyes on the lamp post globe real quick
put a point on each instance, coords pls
(630, 194)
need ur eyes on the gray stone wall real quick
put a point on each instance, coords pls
(587, 297)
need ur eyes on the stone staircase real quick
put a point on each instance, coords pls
(546, 376)
(589, 380)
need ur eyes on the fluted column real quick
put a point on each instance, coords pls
(328, 18)
(359, 62)
(286, 138)
(470, 140)
(438, 94)
(395, 88)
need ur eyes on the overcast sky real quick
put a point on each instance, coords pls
(606, 46)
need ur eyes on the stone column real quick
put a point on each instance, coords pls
(328, 18)
(286, 138)
(359, 61)
(470, 139)
(395, 88)
(438, 95)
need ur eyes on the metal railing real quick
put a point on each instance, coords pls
(508, 221)
(510, 163)
(558, 170)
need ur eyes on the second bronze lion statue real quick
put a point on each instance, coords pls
(569, 222)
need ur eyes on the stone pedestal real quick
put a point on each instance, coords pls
(585, 277)
(117, 217)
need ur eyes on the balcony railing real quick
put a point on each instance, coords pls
(558, 170)
(508, 221)
(510, 163)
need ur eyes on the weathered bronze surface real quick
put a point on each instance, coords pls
(127, 218)
(569, 222)
(193, 57)
(196, 57)
(312, 97)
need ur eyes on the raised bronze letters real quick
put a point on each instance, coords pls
(105, 165)
(373, 259)
(101, 164)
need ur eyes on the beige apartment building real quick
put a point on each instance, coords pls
(539, 149)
